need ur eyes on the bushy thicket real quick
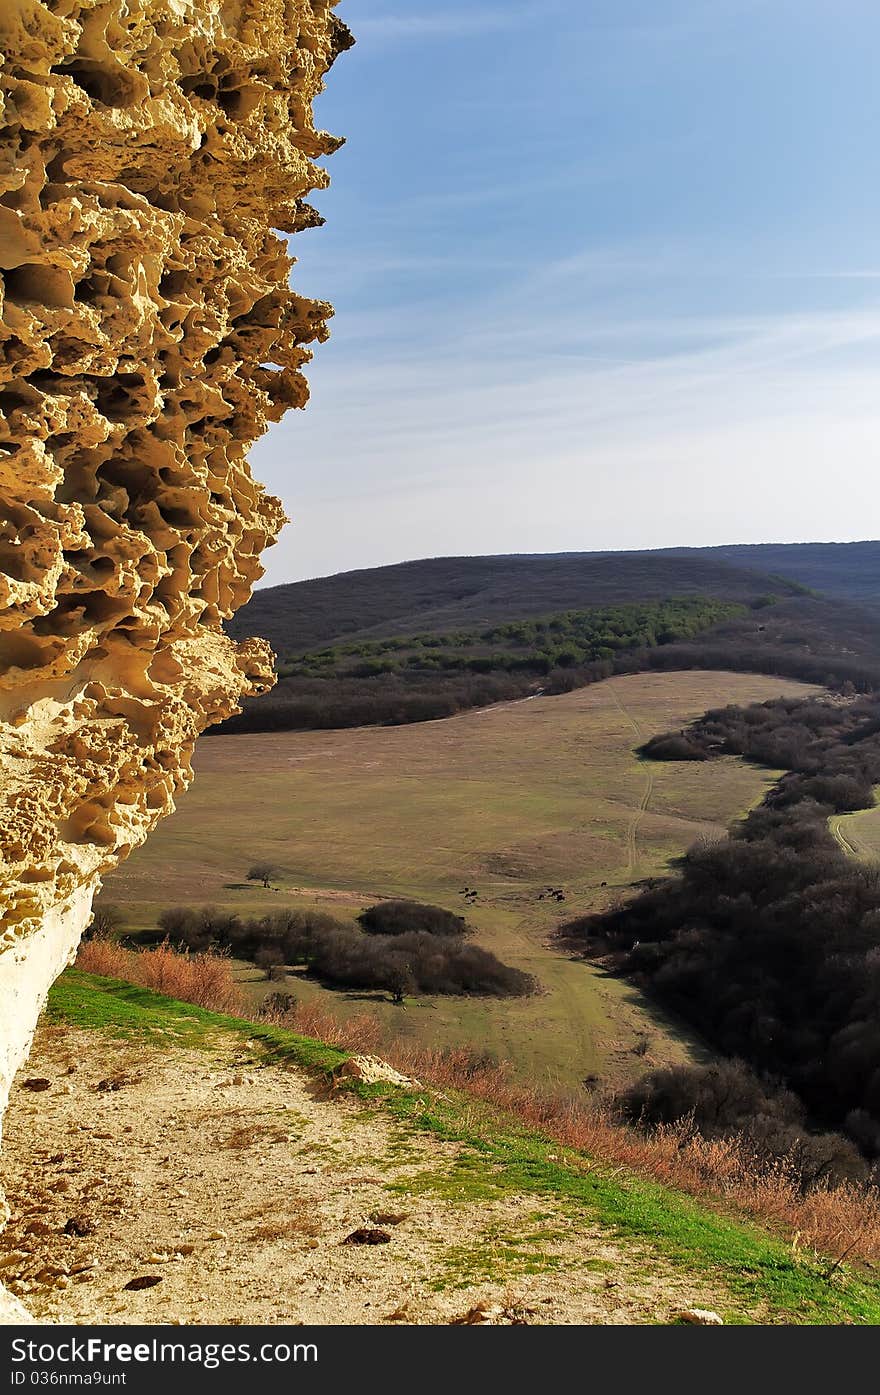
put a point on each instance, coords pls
(831, 748)
(833, 643)
(769, 942)
(539, 645)
(728, 1100)
(400, 917)
(343, 956)
(313, 704)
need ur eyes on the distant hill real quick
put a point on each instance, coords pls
(446, 593)
(849, 570)
(422, 640)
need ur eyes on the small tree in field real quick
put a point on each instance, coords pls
(399, 981)
(106, 921)
(271, 960)
(262, 872)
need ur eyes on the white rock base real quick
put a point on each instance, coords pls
(27, 971)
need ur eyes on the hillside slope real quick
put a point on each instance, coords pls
(848, 570)
(203, 1157)
(424, 640)
(442, 593)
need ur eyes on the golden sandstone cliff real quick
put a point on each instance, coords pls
(148, 334)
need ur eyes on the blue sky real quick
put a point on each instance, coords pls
(606, 275)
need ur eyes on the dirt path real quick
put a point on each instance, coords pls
(632, 831)
(842, 839)
(230, 1187)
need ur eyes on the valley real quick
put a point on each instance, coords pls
(508, 800)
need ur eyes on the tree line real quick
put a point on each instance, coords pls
(424, 677)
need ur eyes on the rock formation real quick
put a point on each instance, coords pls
(148, 334)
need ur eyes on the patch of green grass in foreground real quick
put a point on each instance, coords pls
(125, 1010)
(757, 1270)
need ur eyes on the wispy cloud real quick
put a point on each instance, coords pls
(470, 20)
(442, 24)
(837, 275)
(591, 289)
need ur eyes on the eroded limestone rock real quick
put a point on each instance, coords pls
(148, 334)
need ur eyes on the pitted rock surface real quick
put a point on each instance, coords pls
(152, 153)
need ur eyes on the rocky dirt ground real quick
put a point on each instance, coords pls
(180, 1186)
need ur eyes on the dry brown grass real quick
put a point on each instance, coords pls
(104, 957)
(297, 1220)
(207, 980)
(287, 1228)
(204, 979)
(832, 1220)
(250, 1135)
(362, 1032)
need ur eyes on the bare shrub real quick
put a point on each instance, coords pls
(204, 979)
(103, 957)
(107, 920)
(361, 1032)
(262, 872)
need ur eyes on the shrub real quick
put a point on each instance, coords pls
(205, 979)
(107, 920)
(728, 1100)
(271, 960)
(674, 747)
(262, 872)
(103, 957)
(275, 1007)
(400, 917)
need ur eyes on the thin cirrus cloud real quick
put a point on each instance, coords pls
(600, 19)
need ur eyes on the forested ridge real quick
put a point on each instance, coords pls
(439, 594)
(424, 676)
(425, 640)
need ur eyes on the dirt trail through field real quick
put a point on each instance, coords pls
(185, 1186)
(842, 838)
(632, 831)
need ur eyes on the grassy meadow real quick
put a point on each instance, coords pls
(859, 833)
(509, 799)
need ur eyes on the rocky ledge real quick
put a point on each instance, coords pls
(152, 154)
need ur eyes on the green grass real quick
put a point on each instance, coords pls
(761, 1276)
(127, 1011)
(507, 800)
